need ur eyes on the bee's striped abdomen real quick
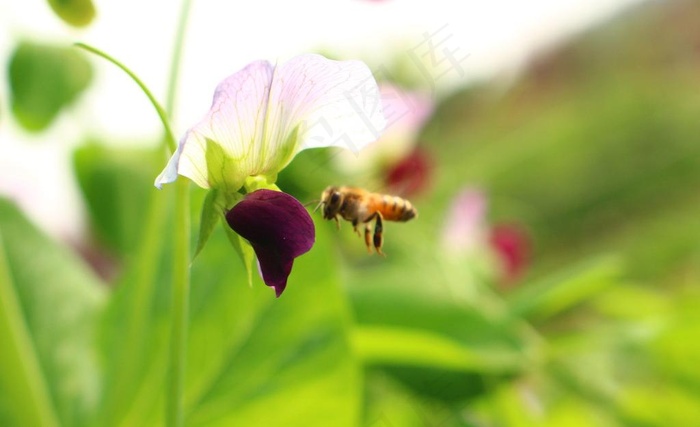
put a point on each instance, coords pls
(395, 208)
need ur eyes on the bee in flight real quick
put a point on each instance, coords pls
(360, 206)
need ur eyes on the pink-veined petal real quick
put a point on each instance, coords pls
(334, 103)
(219, 150)
(263, 115)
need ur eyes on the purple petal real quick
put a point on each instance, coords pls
(278, 227)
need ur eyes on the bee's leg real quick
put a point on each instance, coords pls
(368, 241)
(354, 226)
(337, 223)
(378, 230)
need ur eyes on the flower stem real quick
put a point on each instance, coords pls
(180, 306)
(175, 61)
(174, 413)
(169, 136)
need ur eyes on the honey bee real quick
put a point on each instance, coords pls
(360, 206)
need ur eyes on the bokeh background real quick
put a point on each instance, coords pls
(551, 278)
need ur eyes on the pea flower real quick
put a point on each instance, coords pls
(260, 118)
(468, 232)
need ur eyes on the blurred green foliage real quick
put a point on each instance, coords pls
(248, 351)
(593, 150)
(112, 185)
(45, 79)
(49, 305)
(78, 13)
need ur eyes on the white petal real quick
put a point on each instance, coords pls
(233, 127)
(170, 172)
(335, 103)
(263, 115)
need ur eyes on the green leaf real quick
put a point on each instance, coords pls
(404, 322)
(388, 403)
(49, 302)
(116, 185)
(21, 375)
(381, 345)
(212, 209)
(439, 345)
(258, 360)
(132, 219)
(44, 80)
(561, 291)
(248, 351)
(134, 329)
(78, 13)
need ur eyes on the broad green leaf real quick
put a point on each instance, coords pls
(134, 329)
(116, 185)
(437, 344)
(536, 403)
(381, 345)
(388, 403)
(44, 80)
(132, 219)
(403, 308)
(21, 377)
(675, 351)
(649, 302)
(49, 302)
(566, 289)
(248, 351)
(78, 13)
(255, 359)
(661, 405)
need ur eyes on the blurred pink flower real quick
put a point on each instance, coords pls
(512, 244)
(406, 112)
(465, 226)
(403, 167)
(467, 232)
(411, 175)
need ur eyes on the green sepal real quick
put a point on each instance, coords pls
(244, 250)
(213, 208)
(260, 182)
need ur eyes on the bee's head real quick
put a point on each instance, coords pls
(331, 200)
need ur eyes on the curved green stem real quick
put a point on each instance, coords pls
(170, 138)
